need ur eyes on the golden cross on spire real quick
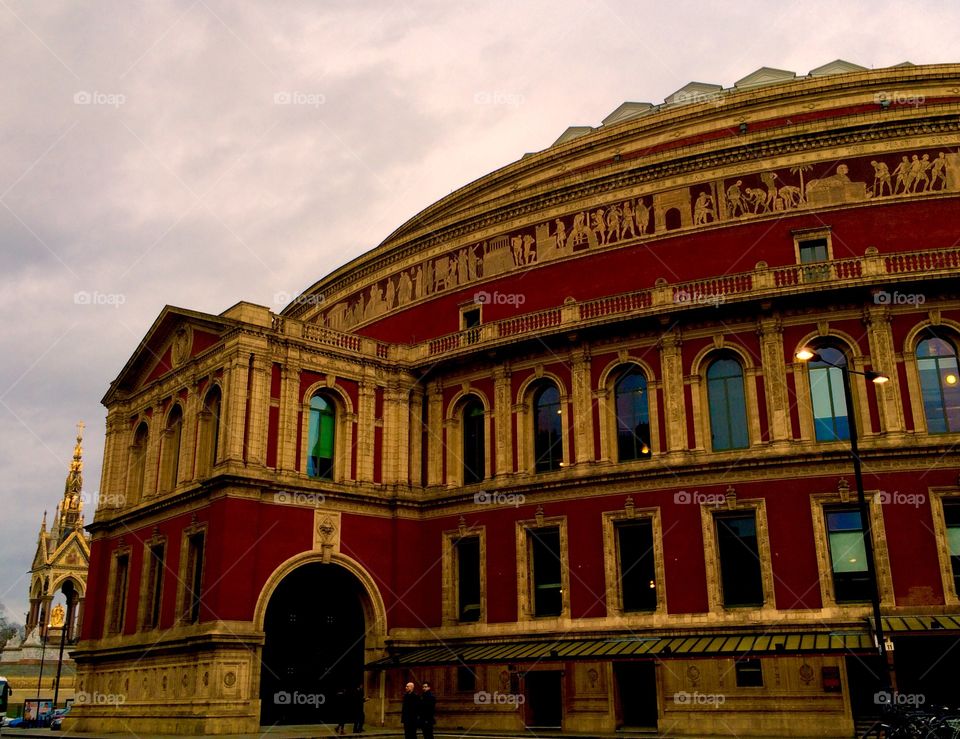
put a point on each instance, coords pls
(80, 426)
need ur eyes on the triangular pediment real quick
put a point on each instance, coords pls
(175, 337)
(40, 557)
(73, 552)
(837, 66)
(626, 111)
(695, 92)
(765, 76)
(574, 132)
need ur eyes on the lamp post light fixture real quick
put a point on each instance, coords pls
(805, 355)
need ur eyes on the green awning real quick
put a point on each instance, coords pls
(919, 624)
(616, 648)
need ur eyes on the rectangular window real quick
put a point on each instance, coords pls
(468, 582)
(638, 579)
(121, 577)
(547, 574)
(951, 516)
(151, 616)
(848, 556)
(466, 679)
(740, 574)
(749, 673)
(194, 580)
(813, 250)
(470, 319)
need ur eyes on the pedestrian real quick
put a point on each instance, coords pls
(410, 712)
(340, 710)
(428, 707)
(358, 701)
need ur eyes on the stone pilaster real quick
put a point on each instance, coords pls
(289, 406)
(503, 420)
(435, 434)
(883, 359)
(770, 331)
(151, 463)
(259, 410)
(366, 423)
(235, 405)
(188, 443)
(583, 433)
(415, 437)
(395, 433)
(674, 405)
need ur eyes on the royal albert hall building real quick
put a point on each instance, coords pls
(549, 446)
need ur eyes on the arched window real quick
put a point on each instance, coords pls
(547, 429)
(473, 441)
(633, 417)
(173, 437)
(939, 386)
(728, 408)
(138, 461)
(212, 405)
(323, 416)
(830, 421)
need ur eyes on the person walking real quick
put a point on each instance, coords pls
(410, 712)
(340, 708)
(428, 707)
(358, 717)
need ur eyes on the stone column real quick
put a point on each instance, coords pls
(190, 438)
(113, 481)
(674, 404)
(883, 359)
(583, 432)
(235, 406)
(770, 331)
(415, 436)
(503, 419)
(259, 410)
(151, 460)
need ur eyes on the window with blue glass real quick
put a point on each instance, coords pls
(728, 408)
(633, 417)
(548, 429)
(321, 438)
(830, 422)
(848, 555)
(939, 386)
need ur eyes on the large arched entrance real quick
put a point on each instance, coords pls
(314, 629)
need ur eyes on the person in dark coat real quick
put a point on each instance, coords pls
(410, 712)
(358, 701)
(428, 707)
(340, 709)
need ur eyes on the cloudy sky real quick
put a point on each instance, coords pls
(201, 152)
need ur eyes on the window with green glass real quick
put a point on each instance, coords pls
(848, 555)
(951, 516)
(728, 408)
(321, 437)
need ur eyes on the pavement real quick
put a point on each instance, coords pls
(324, 730)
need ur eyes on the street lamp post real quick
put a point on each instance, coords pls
(806, 355)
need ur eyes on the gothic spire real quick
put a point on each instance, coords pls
(70, 514)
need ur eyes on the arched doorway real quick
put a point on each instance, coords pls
(314, 629)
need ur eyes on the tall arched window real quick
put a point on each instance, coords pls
(138, 461)
(547, 429)
(830, 421)
(937, 364)
(212, 405)
(323, 416)
(473, 441)
(633, 417)
(728, 407)
(172, 440)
